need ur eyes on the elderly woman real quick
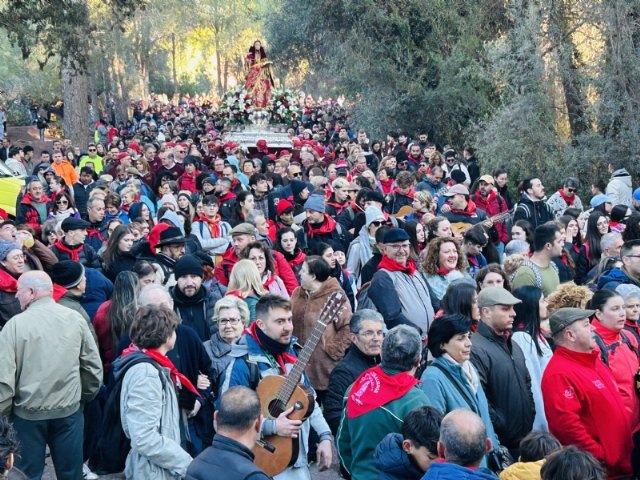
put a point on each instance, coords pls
(443, 264)
(317, 285)
(451, 381)
(11, 267)
(148, 403)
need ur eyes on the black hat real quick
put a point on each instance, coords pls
(67, 273)
(71, 223)
(188, 265)
(171, 236)
(394, 235)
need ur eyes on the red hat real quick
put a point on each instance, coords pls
(230, 145)
(272, 156)
(341, 164)
(261, 144)
(297, 143)
(154, 236)
(320, 150)
(283, 153)
(135, 146)
(122, 155)
(283, 206)
(171, 144)
(183, 145)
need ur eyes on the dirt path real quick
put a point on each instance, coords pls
(28, 135)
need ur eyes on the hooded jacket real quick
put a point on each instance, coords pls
(620, 188)
(614, 277)
(306, 308)
(451, 471)
(196, 311)
(27, 213)
(585, 409)
(536, 213)
(392, 461)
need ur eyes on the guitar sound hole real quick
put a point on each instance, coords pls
(276, 407)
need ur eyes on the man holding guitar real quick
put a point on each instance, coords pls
(269, 344)
(491, 202)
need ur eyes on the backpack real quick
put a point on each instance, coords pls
(362, 298)
(113, 445)
(604, 350)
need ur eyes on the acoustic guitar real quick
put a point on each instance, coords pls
(459, 228)
(277, 393)
(407, 209)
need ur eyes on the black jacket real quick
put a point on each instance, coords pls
(536, 213)
(81, 196)
(124, 263)
(343, 375)
(507, 384)
(225, 459)
(370, 268)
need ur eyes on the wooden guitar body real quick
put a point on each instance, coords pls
(276, 453)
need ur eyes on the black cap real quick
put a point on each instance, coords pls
(71, 223)
(171, 236)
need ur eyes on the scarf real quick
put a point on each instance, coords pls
(393, 266)
(568, 200)
(74, 253)
(214, 225)
(178, 378)
(277, 349)
(324, 228)
(366, 245)
(409, 194)
(445, 271)
(386, 185)
(469, 211)
(375, 388)
(469, 372)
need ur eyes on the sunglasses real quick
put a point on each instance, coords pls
(298, 174)
(61, 202)
(571, 190)
(92, 150)
(324, 185)
(377, 223)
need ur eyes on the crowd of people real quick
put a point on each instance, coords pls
(161, 273)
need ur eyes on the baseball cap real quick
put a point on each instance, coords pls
(458, 189)
(487, 179)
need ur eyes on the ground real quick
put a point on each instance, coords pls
(29, 135)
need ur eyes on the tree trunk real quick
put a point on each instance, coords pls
(173, 58)
(76, 105)
(226, 74)
(120, 91)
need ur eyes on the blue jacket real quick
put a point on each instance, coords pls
(444, 396)
(392, 461)
(451, 471)
(614, 277)
(99, 289)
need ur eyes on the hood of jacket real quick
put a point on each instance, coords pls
(391, 459)
(451, 471)
(622, 175)
(614, 275)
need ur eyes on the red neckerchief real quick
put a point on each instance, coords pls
(393, 266)
(490, 198)
(328, 226)
(214, 225)
(227, 196)
(282, 358)
(472, 260)
(7, 282)
(386, 185)
(569, 200)
(416, 160)
(234, 184)
(409, 194)
(470, 210)
(270, 279)
(73, 252)
(28, 199)
(94, 232)
(58, 292)
(178, 378)
(375, 388)
(445, 271)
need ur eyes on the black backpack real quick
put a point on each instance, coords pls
(113, 445)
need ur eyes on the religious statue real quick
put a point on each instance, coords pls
(259, 80)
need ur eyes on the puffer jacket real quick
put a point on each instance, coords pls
(614, 277)
(620, 188)
(522, 471)
(151, 419)
(451, 471)
(392, 461)
(506, 382)
(28, 214)
(306, 308)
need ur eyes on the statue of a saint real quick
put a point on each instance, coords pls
(259, 81)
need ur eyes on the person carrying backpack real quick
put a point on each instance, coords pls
(149, 410)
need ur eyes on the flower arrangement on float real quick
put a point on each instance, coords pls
(236, 105)
(283, 106)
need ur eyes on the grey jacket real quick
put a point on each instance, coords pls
(151, 419)
(213, 246)
(619, 188)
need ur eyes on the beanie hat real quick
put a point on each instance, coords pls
(457, 175)
(283, 206)
(6, 247)
(297, 186)
(372, 214)
(169, 198)
(315, 202)
(67, 273)
(188, 265)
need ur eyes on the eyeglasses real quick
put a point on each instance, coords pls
(60, 202)
(632, 256)
(297, 174)
(397, 248)
(228, 321)
(371, 333)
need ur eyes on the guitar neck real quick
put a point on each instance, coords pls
(329, 311)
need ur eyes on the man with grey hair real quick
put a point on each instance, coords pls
(367, 332)
(378, 400)
(44, 387)
(463, 444)
(610, 244)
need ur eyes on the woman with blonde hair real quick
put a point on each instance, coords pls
(443, 264)
(245, 283)
(423, 207)
(568, 295)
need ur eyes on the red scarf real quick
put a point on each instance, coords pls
(445, 271)
(178, 379)
(386, 185)
(214, 225)
(73, 252)
(328, 226)
(409, 194)
(393, 266)
(569, 200)
(470, 210)
(282, 357)
(375, 388)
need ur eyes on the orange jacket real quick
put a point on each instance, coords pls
(65, 170)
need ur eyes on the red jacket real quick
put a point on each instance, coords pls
(492, 205)
(585, 409)
(188, 182)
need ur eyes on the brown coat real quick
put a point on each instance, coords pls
(306, 308)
